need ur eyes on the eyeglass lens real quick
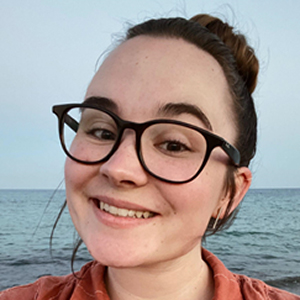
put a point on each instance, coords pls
(170, 151)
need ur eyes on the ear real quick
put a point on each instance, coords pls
(242, 178)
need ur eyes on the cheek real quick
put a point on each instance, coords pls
(70, 178)
(73, 183)
(198, 199)
(77, 175)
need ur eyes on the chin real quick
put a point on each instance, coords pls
(116, 258)
(116, 255)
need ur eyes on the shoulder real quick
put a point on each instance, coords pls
(256, 289)
(229, 286)
(56, 287)
(48, 285)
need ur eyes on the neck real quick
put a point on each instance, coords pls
(187, 277)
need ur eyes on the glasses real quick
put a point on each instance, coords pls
(169, 150)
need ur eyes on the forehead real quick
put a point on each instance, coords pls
(145, 73)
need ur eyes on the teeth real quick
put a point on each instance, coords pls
(113, 210)
(122, 212)
(131, 213)
(139, 214)
(101, 205)
(146, 214)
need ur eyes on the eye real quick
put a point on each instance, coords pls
(102, 134)
(173, 146)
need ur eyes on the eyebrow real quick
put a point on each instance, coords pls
(102, 102)
(176, 109)
(169, 109)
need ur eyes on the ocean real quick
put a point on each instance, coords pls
(263, 242)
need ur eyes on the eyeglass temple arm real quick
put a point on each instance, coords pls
(71, 122)
(232, 152)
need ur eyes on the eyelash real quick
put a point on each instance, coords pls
(102, 130)
(185, 148)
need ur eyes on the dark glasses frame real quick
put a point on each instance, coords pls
(212, 140)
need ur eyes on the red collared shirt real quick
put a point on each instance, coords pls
(228, 286)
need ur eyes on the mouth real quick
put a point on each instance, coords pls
(123, 212)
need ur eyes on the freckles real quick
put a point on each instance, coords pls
(77, 175)
(72, 173)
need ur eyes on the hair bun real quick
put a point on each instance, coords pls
(246, 60)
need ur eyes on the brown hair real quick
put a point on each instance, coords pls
(240, 67)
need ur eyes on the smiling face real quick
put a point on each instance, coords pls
(160, 221)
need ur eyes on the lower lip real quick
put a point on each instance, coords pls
(117, 221)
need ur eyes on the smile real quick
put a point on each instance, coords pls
(123, 212)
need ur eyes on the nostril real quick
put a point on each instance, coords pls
(127, 182)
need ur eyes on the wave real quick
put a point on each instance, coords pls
(285, 282)
(236, 233)
(46, 260)
(23, 262)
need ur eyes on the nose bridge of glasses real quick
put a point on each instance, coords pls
(128, 138)
(132, 130)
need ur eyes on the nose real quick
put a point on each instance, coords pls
(123, 168)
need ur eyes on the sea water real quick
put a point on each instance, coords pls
(263, 242)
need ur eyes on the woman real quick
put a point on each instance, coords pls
(158, 157)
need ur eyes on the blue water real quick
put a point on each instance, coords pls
(264, 241)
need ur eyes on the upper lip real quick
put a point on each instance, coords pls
(122, 204)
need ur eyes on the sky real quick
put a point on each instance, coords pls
(48, 55)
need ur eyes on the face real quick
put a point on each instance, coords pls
(141, 76)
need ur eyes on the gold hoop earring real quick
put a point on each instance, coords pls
(218, 217)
